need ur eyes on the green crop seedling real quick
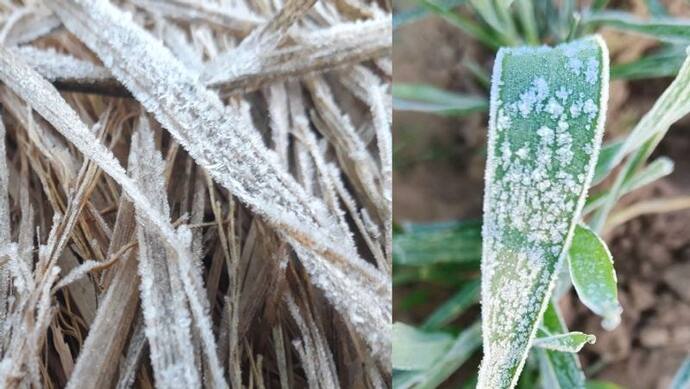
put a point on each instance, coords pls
(551, 187)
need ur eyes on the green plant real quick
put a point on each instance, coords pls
(541, 232)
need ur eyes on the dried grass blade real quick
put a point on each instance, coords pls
(69, 73)
(237, 19)
(313, 52)
(96, 365)
(166, 315)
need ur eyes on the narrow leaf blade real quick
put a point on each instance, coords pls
(546, 122)
(426, 98)
(674, 30)
(445, 242)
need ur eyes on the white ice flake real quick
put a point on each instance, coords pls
(590, 108)
(592, 70)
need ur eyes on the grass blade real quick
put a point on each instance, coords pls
(673, 104)
(454, 307)
(674, 30)
(655, 170)
(426, 98)
(467, 25)
(664, 63)
(417, 350)
(162, 299)
(464, 346)
(417, 13)
(546, 123)
(592, 273)
(444, 242)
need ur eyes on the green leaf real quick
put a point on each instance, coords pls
(655, 170)
(447, 242)
(426, 98)
(673, 104)
(547, 114)
(571, 342)
(462, 349)
(413, 14)
(467, 25)
(664, 63)
(454, 307)
(417, 350)
(495, 14)
(673, 30)
(559, 370)
(592, 273)
(528, 21)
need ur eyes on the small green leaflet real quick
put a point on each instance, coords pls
(547, 113)
(417, 350)
(559, 370)
(571, 342)
(673, 30)
(592, 273)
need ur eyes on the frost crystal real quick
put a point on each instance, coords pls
(535, 187)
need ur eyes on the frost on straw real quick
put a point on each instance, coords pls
(163, 302)
(4, 229)
(170, 287)
(546, 122)
(224, 142)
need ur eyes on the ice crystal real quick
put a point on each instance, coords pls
(534, 188)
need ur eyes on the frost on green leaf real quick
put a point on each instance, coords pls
(571, 342)
(673, 105)
(592, 273)
(546, 122)
(559, 370)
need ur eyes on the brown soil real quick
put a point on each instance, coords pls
(439, 176)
